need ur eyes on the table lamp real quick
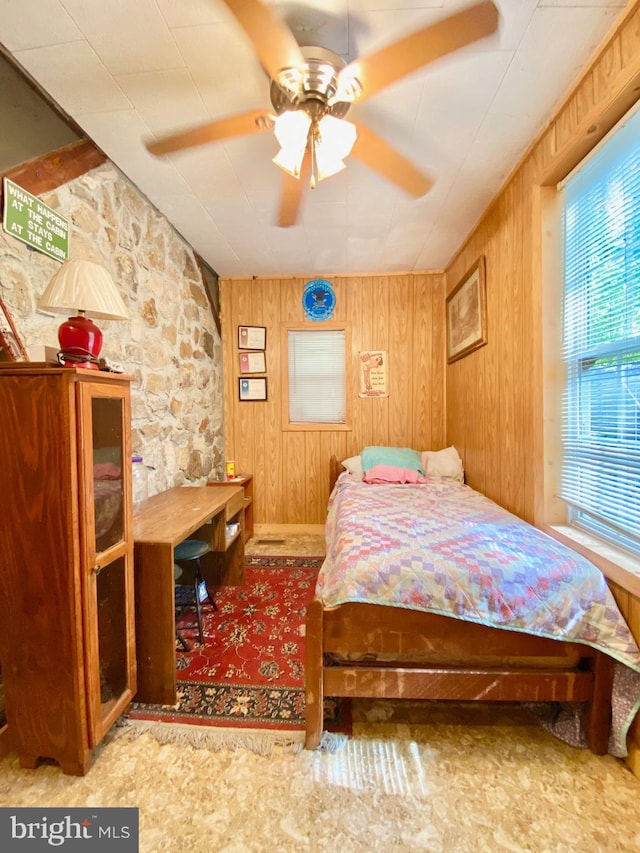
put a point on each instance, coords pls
(88, 289)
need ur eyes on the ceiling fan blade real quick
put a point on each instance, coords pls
(272, 39)
(378, 70)
(379, 156)
(292, 189)
(241, 124)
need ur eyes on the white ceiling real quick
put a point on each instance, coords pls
(126, 70)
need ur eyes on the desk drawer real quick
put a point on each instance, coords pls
(234, 504)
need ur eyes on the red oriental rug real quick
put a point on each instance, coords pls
(247, 680)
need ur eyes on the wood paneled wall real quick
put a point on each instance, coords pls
(402, 314)
(494, 396)
(489, 393)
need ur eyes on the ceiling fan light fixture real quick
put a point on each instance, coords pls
(292, 131)
(292, 128)
(290, 161)
(333, 140)
(325, 166)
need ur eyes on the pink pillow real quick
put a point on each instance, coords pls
(106, 471)
(391, 474)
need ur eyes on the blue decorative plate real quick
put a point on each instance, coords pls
(318, 299)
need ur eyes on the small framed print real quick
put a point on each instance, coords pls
(252, 389)
(252, 362)
(252, 337)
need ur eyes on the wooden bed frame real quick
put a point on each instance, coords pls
(532, 672)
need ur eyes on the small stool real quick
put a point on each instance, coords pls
(187, 557)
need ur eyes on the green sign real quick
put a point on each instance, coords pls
(33, 222)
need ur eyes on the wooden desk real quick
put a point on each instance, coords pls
(161, 523)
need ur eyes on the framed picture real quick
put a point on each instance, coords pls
(373, 374)
(467, 313)
(252, 362)
(11, 347)
(252, 337)
(252, 389)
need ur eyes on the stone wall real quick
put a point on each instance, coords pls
(170, 344)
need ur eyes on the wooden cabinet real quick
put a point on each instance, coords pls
(67, 631)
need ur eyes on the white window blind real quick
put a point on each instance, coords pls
(317, 387)
(601, 467)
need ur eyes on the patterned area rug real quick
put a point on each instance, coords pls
(249, 674)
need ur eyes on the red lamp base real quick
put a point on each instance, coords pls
(80, 342)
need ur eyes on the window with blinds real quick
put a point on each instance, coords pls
(317, 378)
(601, 340)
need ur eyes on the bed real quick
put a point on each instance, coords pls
(429, 590)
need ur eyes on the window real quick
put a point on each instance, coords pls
(601, 467)
(316, 378)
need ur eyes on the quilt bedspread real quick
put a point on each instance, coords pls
(445, 548)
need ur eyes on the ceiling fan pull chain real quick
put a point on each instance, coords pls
(312, 145)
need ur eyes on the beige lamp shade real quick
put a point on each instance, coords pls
(86, 287)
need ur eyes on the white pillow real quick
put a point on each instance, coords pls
(354, 466)
(443, 463)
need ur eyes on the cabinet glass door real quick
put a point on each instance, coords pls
(108, 474)
(108, 553)
(112, 634)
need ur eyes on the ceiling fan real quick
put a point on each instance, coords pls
(312, 90)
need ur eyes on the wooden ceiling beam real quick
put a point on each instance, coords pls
(52, 170)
